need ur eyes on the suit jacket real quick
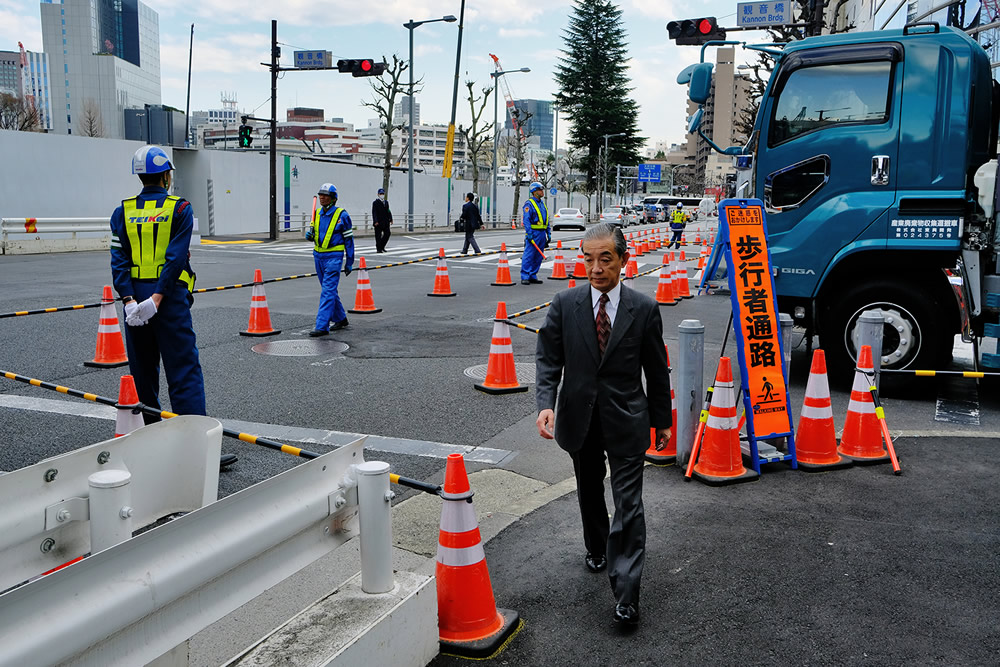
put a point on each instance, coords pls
(567, 347)
(470, 213)
(380, 212)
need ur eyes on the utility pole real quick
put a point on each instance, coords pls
(449, 149)
(273, 146)
(187, 109)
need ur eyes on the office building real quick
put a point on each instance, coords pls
(721, 121)
(10, 73)
(104, 57)
(30, 82)
(401, 112)
(540, 123)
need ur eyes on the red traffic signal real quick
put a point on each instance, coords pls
(361, 67)
(696, 31)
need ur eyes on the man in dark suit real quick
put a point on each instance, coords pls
(600, 339)
(473, 221)
(381, 219)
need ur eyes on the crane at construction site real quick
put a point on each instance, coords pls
(511, 112)
(28, 97)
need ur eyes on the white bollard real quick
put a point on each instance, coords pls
(110, 509)
(375, 518)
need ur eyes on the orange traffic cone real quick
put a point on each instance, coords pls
(503, 269)
(669, 454)
(571, 284)
(260, 316)
(442, 285)
(720, 460)
(861, 440)
(815, 438)
(364, 298)
(469, 623)
(559, 264)
(664, 288)
(110, 349)
(681, 279)
(630, 275)
(634, 265)
(501, 375)
(580, 271)
(128, 416)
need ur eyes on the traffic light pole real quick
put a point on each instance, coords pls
(273, 146)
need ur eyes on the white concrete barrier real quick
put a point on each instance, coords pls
(26, 236)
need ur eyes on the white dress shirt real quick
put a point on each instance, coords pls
(611, 307)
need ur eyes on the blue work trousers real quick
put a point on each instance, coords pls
(169, 335)
(531, 260)
(328, 266)
(676, 238)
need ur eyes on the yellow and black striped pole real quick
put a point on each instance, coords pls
(921, 373)
(57, 309)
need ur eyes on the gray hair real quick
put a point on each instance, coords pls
(605, 230)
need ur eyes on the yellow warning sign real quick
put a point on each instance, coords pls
(449, 149)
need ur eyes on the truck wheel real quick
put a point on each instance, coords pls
(914, 335)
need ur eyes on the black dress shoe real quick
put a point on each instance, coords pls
(526, 282)
(315, 333)
(227, 460)
(342, 324)
(627, 615)
(536, 281)
(596, 563)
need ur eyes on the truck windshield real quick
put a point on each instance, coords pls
(825, 95)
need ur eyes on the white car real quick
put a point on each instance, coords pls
(569, 218)
(615, 215)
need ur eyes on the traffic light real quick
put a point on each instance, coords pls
(245, 138)
(361, 67)
(695, 31)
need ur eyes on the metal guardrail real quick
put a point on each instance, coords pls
(15, 233)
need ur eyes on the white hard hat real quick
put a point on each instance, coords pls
(680, 205)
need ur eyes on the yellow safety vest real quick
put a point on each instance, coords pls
(678, 217)
(148, 228)
(542, 222)
(323, 246)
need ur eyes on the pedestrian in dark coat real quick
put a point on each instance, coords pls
(473, 221)
(382, 220)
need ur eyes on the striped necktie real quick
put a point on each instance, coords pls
(603, 323)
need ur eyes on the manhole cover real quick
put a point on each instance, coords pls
(300, 348)
(525, 373)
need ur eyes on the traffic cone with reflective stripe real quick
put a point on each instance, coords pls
(580, 271)
(669, 454)
(630, 274)
(128, 416)
(501, 374)
(442, 285)
(664, 288)
(469, 623)
(816, 438)
(260, 316)
(681, 280)
(720, 460)
(571, 284)
(110, 349)
(559, 264)
(861, 440)
(503, 269)
(364, 298)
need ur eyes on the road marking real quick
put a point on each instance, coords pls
(378, 443)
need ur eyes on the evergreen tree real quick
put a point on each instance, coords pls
(594, 87)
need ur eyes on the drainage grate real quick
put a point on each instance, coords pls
(525, 373)
(300, 348)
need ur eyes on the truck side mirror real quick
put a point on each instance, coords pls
(699, 80)
(694, 122)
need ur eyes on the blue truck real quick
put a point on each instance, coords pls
(875, 156)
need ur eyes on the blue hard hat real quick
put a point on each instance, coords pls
(534, 186)
(150, 160)
(328, 189)
(381, 191)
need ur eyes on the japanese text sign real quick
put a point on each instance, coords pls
(760, 14)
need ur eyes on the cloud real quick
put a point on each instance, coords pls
(658, 9)
(519, 33)
(18, 26)
(229, 54)
(426, 49)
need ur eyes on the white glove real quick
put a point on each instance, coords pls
(130, 318)
(143, 312)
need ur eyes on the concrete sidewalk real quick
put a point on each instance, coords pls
(846, 567)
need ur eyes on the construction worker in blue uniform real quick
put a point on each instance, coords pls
(151, 271)
(333, 249)
(678, 220)
(536, 234)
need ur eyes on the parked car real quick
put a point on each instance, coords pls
(658, 208)
(613, 214)
(633, 215)
(569, 218)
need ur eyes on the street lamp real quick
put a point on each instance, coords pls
(555, 145)
(671, 167)
(604, 171)
(411, 26)
(496, 132)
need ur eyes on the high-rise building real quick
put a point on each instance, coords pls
(401, 112)
(10, 73)
(29, 81)
(104, 57)
(540, 122)
(721, 120)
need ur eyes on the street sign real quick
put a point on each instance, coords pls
(763, 14)
(649, 173)
(553, 191)
(313, 59)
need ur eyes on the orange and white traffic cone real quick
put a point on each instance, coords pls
(128, 416)
(580, 271)
(501, 374)
(816, 438)
(503, 269)
(110, 349)
(664, 287)
(260, 316)
(442, 285)
(861, 440)
(571, 284)
(681, 279)
(720, 460)
(559, 264)
(669, 454)
(364, 298)
(469, 623)
(630, 275)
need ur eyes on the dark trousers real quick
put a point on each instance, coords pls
(469, 238)
(623, 539)
(382, 234)
(676, 238)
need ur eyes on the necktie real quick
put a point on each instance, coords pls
(603, 323)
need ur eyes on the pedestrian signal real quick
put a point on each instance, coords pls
(245, 138)
(361, 67)
(695, 31)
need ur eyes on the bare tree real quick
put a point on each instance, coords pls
(385, 90)
(16, 114)
(564, 173)
(91, 124)
(518, 142)
(478, 137)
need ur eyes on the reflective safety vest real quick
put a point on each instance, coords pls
(148, 228)
(542, 223)
(677, 218)
(324, 245)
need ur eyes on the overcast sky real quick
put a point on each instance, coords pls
(231, 39)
